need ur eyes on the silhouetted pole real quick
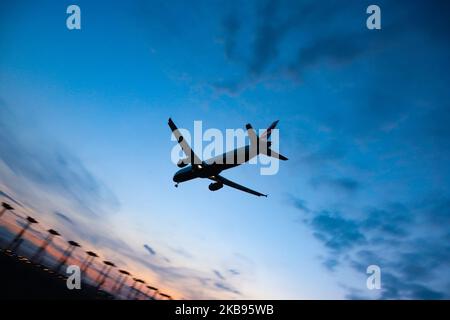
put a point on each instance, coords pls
(105, 272)
(5, 207)
(155, 292)
(121, 280)
(87, 263)
(138, 288)
(14, 245)
(51, 234)
(133, 290)
(100, 274)
(67, 253)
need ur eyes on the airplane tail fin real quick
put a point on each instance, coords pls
(268, 132)
(262, 143)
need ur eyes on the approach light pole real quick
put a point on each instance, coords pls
(105, 272)
(15, 244)
(67, 253)
(87, 263)
(5, 207)
(121, 280)
(133, 289)
(138, 288)
(38, 255)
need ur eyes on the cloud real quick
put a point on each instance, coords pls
(5, 195)
(388, 84)
(393, 220)
(335, 231)
(393, 288)
(193, 283)
(231, 26)
(413, 261)
(346, 184)
(223, 286)
(234, 272)
(219, 275)
(181, 252)
(331, 264)
(64, 217)
(149, 249)
(52, 168)
(279, 25)
(301, 205)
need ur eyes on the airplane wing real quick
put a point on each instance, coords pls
(219, 178)
(193, 158)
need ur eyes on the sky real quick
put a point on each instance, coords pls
(85, 146)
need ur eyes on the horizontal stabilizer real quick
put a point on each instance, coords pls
(274, 154)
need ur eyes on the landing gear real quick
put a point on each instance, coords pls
(176, 185)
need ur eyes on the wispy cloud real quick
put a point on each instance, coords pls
(413, 261)
(149, 249)
(51, 168)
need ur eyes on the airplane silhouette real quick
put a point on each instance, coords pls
(212, 168)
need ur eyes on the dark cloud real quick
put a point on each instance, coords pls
(342, 184)
(330, 263)
(64, 217)
(335, 231)
(5, 195)
(388, 88)
(394, 288)
(436, 212)
(392, 220)
(231, 25)
(234, 272)
(267, 37)
(287, 23)
(223, 286)
(301, 205)
(330, 42)
(149, 249)
(412, 261)
(219, 275)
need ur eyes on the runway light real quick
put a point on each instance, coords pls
(6, 207)
(15, 244)
(104, 273)
(67, 253)
(155, 292)
(121, 281)
(165, 296)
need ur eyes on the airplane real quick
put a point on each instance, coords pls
(212, 168)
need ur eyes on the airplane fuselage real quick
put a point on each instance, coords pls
(216, 165)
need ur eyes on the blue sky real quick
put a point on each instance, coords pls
(363, 119)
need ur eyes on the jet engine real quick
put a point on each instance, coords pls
(182, 163)
(215, 186)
